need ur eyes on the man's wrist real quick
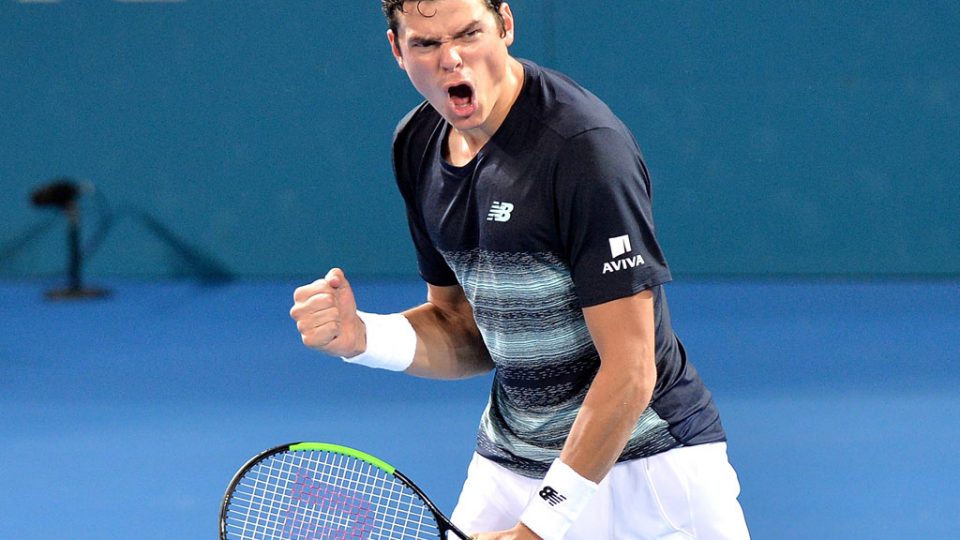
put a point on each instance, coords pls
(388, 342)
(562, 497)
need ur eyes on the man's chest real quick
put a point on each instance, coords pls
(498, 206)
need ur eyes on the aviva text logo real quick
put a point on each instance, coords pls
(620, 245)
(500, 211)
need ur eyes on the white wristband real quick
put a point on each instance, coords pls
(561, 499)
(391, 342)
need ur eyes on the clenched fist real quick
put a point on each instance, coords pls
(326, 315)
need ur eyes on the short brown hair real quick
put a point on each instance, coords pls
(392, 7)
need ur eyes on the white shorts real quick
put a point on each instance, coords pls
(687, 492)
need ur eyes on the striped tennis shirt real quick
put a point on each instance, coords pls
(551, 216)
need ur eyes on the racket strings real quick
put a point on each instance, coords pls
(316, 495)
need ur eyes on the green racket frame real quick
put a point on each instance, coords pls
(444, 524)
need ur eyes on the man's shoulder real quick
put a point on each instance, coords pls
(421, 119)
(566, 107)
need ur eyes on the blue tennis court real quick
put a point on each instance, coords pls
(126, 417)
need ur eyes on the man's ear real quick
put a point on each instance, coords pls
(508, 23)
(395, 49)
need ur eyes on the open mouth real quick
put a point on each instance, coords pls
(461, 96)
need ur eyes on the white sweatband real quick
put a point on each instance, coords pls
(561, 499)
(391, 342)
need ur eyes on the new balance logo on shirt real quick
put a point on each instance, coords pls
(500, 211)
(620, 245)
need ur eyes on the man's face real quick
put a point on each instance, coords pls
(456, 57)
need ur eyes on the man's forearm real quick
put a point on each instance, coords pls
(603, 426)
(624, 333)
(617, 397)
(449, 344)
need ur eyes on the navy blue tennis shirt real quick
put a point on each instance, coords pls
(552, 215)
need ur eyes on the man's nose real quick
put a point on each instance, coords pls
(450, 59)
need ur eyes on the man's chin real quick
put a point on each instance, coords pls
(463, 116)
(467, 124)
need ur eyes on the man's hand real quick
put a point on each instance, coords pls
(518, 532)
(326, 315)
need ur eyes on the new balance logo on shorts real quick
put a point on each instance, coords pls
(551, 496)
(500, 211)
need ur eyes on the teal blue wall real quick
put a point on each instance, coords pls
(252, 138)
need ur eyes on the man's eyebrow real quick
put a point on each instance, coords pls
(422, 40)
(466, 29)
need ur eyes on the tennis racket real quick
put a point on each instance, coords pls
(320, 491)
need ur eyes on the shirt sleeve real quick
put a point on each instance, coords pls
(605, 217)
(406, 159)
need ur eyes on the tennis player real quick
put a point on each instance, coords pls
(529, 205)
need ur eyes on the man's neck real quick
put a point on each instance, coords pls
(463, 146)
